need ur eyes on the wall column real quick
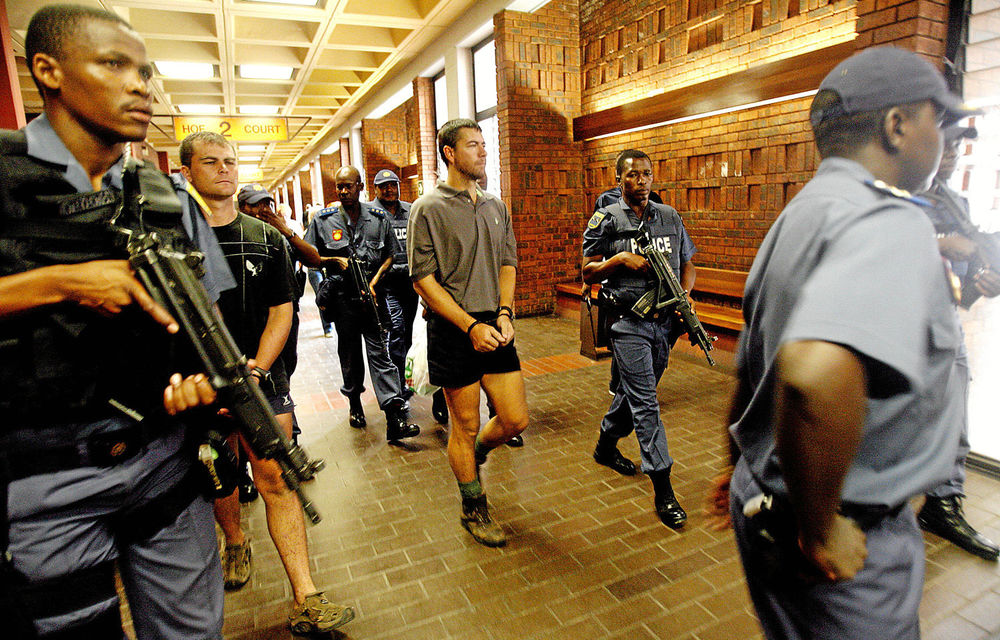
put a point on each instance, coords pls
(423, 91)
(11, 107)
(297, 197)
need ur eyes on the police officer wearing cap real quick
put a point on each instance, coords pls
(400, 298)
(95, 477)
(352, 226)
(848, 396)
(969, 251)
(640, 345)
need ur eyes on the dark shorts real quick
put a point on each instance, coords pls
(453, 363)
(277, 392)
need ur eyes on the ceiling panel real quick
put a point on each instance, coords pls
(340, 51)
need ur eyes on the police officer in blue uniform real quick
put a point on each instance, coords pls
(640, 345)
(352, 226)
(968, 250)
(400, 298)
(94, 470)
(848, 395)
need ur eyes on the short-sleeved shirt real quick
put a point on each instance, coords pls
(607, 234)
(258, 258)
(462, 244)
(399, 221)
(853, 265)
(371, 238)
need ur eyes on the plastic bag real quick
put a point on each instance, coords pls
(417, 375)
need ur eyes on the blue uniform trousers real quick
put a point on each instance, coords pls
(60, 523)
(402, 302)
(640, 350)
(353, 325)
(315, 278)
(881, 601)
(955, 484)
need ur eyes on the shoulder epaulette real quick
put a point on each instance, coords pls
(896, 192)
(381, 213)
(328, 211)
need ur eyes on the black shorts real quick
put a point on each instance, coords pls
(452, 362)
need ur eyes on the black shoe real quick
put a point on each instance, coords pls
(357, 415)
(614, 459)
(439, 407)
(396, 427)
(945, 517)
(247, 491)
(667, 508)
(516, 441)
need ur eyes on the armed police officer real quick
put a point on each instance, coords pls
(355, 230)
(400, 298)
(640, 345)
(972, 255)
(841, 415)
(94, 463)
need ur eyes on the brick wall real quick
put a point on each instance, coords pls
(538, 76)
(918, 25)
(329, 163)
(633, 48)
(426, 140)
(390, 143)
(728, 175)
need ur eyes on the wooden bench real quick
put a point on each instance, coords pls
(713, 288)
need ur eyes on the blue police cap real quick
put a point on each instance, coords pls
(252, 194)
(384, 176)
(881, 77)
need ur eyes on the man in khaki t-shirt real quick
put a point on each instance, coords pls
(463, 263)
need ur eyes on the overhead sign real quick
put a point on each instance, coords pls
(235, 128)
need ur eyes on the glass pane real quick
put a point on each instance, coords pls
(484, 64)
(491, 134)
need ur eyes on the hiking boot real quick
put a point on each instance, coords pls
(357, 413)
(516, 441)
(476, 520)
(316, 614)
(236, 565)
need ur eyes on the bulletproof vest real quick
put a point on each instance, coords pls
(627, 287)
(64, 363)
(399, 261)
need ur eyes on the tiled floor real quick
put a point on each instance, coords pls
(587, 557)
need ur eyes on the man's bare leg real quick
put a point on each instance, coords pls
(507, 393)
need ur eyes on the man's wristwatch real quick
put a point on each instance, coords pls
(262, 374)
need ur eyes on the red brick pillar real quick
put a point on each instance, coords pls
(11, 107)
(917, 25)
(423, 92)
(541, 168)
(345, 153)
(328, 166)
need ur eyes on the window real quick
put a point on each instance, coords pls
(484, 66)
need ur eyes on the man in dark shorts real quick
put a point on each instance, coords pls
(463, 263)
(258, 312)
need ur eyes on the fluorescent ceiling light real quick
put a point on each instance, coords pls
(305, 3)
(250, 159)
(201, 109)
(265, 72)
(185, 70)
(253, 148)
(260, 110)
(527, 6)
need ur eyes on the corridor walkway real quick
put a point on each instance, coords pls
(587, 557)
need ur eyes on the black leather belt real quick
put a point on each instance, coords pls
(98, 450)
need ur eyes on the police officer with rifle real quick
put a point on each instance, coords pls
(359, 236)
(95, 465)
(627, 245)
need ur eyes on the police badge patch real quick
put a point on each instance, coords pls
(596, 219)
(338, 234)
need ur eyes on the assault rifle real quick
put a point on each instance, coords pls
(987, 254)
(170, 277)
(668, 294)
(368, 305)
